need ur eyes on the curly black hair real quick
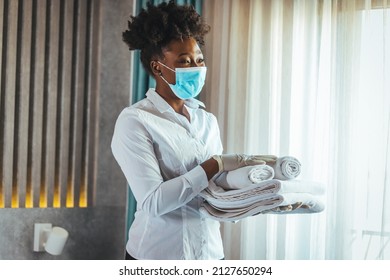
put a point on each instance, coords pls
(154, 28)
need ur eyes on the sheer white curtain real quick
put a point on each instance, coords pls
(308, 79)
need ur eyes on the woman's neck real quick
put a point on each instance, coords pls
(176, 103)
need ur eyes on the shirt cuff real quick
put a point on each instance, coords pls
(197, 179)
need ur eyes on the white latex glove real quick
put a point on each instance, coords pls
(230, 162)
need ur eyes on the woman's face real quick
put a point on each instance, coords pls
(180, 54)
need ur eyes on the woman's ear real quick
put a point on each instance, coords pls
(155, 66)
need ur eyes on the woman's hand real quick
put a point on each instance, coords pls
(230, 162)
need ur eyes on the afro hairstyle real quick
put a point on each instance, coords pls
(156, 26)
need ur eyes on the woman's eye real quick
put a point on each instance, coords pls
(189, 61)
(186, 61)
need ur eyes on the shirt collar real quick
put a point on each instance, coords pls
(163, 106)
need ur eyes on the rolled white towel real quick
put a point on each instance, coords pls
(244, 176)
(286, 168)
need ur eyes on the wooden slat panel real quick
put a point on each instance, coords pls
(2, 97)
(93, 93)
(81, 94)
(2, 3)
(24, 42)
(71, 163)
(48, 102)
(44, 188)
(51, 87)
(2, 19)
(57, 162)
(10, 88)
(86, 118)
(30, 184)
(65, 92)
(17, 101)
(78, 100)
(38, 139)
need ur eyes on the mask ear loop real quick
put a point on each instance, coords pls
(166, 66)
(161, 75)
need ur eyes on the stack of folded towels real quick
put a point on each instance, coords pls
(262, 189)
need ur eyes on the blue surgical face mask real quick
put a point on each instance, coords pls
(189, 81)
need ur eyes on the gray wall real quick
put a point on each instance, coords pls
(98, 231)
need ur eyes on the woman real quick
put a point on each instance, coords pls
(167, 147)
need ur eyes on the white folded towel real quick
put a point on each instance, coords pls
(298, 203)
(302, 186)
(270, 196)
(286, 168)
(244, 197)
(232, 215)
(288, 204)
(244, 176)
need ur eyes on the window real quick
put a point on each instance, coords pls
(371, 140)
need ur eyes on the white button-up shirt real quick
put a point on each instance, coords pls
(159, 152)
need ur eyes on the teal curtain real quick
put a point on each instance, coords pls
(141, 83)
